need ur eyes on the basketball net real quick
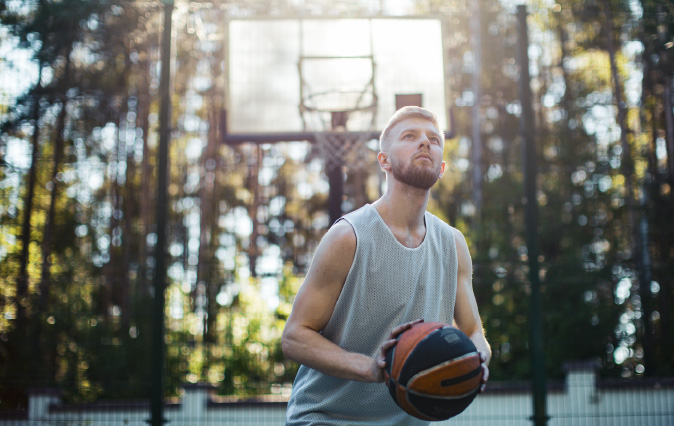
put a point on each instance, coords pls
(344, 149)
(338, 147)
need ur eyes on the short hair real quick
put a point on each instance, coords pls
(405, 113)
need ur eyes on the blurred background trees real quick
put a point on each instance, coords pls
(79, 120)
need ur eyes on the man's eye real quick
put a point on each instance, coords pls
(408, 136)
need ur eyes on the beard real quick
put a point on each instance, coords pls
(415, 176)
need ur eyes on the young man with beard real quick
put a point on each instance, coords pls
(375, 273)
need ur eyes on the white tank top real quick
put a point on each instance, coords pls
(388, 285)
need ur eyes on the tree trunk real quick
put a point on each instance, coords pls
(115, 269)
(661, 208)
(206, 266)
(666, 67)
(627, 165)
(128, 240)
(669, 128)
(49, 224)
(253, 186)
(146, 200)
(647, 107)
(48, 236)
(125, 231)
(22, 278)
(567, 144)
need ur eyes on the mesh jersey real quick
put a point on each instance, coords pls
(388, 284)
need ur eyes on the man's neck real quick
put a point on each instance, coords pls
(402, 208)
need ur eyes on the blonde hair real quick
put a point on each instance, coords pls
(405, 113)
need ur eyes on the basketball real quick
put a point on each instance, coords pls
(434, 371)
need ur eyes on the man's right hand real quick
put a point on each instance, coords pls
(379, 364)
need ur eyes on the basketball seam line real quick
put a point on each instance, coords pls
(413, 392)
(434, 367)
(414, 347)
(456, 380)
(422, 415)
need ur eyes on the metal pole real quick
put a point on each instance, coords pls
(158, 344)
(476, 135)
(540, 416)
(336, 174)
(336, 193)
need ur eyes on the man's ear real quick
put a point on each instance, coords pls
(442, 169)
(383, 160)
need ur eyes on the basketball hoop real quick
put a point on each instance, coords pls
(340, 100)
(332, 110)
(335, 111)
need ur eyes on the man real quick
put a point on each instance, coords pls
(375, 273)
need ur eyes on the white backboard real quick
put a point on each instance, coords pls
(379, 57)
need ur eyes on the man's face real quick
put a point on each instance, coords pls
(415, 153)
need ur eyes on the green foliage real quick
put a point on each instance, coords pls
(584, 250)
(245, 220)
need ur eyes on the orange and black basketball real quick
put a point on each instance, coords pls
(434, 371)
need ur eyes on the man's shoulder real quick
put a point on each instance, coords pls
(335, 247)
(362, 219)
(448, 231)
(364, 210)
(441, 223)
(341, 231)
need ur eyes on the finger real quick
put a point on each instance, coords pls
(485, 378)
(396, 331)
(485, 374)
(409, 324)
(483, 356)
(386, 346)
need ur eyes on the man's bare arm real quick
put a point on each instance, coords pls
(314, 305)
(466, 314)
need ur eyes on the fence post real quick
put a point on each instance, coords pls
(540, 416)
(158, 344)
